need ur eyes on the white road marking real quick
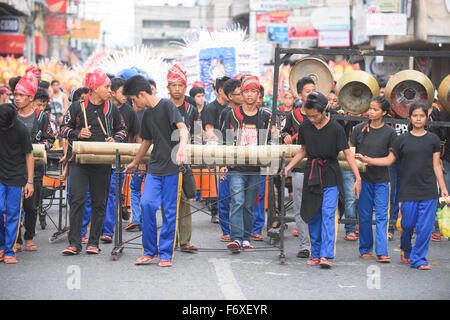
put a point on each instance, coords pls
(226, 280)
(341, 286)
(279, 274)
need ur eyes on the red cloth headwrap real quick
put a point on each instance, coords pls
(96, 78)
(198, 84)
(176, 74)
(249, 83)
(27, 85)
(289, 92)
(34, 70)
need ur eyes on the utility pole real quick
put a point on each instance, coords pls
(30, 52)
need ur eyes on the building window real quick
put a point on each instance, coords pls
(148, 24)
(179, 24)
(153, 24)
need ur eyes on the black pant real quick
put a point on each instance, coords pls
(30, 206)
(97, 178)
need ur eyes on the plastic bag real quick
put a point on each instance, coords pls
(443, 217)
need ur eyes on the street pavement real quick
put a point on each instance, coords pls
(216, 274)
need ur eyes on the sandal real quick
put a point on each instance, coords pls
(295, 232)
(351, 237)
(436, 237)
(70, 251)
(313, 261)
(145, 260)
(257, 237)
(225, 238)
(10, 259)
(383, 259)
(106, 239)
(84, 240)
(391, 236)
(424, 267)
(165, 263)
(234, 246)
(131, 227)
(404, 260)
(188, 248)
(325, 263)
(2, 252)
(92, 250)
(368, 255)
(18, 247)
(30, 247)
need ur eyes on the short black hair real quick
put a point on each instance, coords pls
(152, 82)
(110, 76)
(116, 83)
(54, 81)
(77, 94)
(302, 82)
(41, 94)
(136, 84)
(8, 113)
(316, 100)
(220, 83)
(381, 83)
(261, 90)
(195, 91)
(13, 83)
(418, 105)
(44, 84)
(230, 85)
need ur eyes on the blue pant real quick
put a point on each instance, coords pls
(223, 187)
(394, 173)
(419, 215)
(323, 226)
(259, 217)
(244, 190)
(350, 199)
(10, 212)
(135, 199)
(159, 191)
(373, 195)
(110, 218)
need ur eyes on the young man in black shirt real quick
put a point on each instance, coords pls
(290, 133)
(176, 80)
(162, 183)
(246, 123)
(16, 177)
(321, 140)
(129, 117)
(211, 125)
(94, 119)
(41, 132)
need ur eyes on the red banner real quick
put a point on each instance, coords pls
(12, 43)
(41, 45)
(56, 18)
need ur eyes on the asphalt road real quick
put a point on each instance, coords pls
(219, 274)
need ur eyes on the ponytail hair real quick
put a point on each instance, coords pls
(418, 105)
(383, 102)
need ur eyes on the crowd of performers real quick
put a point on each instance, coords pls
(403, 181)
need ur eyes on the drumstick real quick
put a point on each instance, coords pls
(84, 115)
(101, 124)
(294, 136)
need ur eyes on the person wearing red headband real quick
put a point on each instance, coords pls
(176, 79)
(95, 118)
(246, 123)
(40, 130)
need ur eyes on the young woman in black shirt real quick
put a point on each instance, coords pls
(418, 152)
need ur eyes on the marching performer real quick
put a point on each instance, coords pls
(176, 85)
(375, 139)
(418, 152)
(162, 183)
(94, 119)
(321, 141)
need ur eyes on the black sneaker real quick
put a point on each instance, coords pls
(303, 254)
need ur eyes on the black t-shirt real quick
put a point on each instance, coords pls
(15, 143)
(375, 144)
(158, 124)
(189, 114)
(325, 144)
(139, 117)
(212, 114)
(444, 134)
(129, 116)
(415, 155)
